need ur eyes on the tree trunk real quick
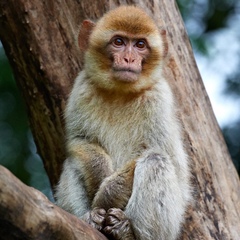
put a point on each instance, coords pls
(39, 39)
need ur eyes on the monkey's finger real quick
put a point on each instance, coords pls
(97, 218)
(117, 213)
(110, 230)
(111, 220)
(118, 231)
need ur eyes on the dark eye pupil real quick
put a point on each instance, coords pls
(140, 44)
(118, 41)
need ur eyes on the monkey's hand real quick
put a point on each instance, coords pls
(95, 218)
(117, 225)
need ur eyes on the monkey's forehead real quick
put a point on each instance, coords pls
(128, 19)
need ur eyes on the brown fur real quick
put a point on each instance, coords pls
(95, 162)
(118, 190)
(124, 19)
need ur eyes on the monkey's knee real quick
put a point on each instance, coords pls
(155, 160)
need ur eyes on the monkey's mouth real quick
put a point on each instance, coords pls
(126, 74)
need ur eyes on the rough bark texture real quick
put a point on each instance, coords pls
(27, 214)
(39, 39)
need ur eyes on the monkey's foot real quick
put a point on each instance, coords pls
(117, 225)
(95, 218)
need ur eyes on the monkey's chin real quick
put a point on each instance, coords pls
(126, 76)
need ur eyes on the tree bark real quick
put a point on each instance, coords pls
(27, 214)
(39, 40)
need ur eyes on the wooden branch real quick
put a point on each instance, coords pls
(26, 213)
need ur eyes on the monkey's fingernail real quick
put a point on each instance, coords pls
(102, 211)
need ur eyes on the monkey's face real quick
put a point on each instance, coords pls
(125, 51)
(127, 56)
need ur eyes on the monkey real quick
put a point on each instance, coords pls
(127, 173)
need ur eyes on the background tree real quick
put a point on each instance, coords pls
(209, 22)
(40, 67)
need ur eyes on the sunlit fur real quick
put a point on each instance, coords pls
(140, 126)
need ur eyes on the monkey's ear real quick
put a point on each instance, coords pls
(84, 33)
(163, 33)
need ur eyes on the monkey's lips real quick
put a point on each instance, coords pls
(126, 74)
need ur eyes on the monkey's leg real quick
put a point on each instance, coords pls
(156, 206)
(115, 190)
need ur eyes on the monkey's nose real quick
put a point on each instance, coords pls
(129, 59)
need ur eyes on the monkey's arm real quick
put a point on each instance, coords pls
(88, 177)
(105, 188)
(87, 167)
(83, 172)
(93, 162)
(115, 190)
(113, 196)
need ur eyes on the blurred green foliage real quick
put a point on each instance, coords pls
(206, 16)
(17, 149)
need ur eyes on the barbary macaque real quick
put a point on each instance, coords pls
(126, 173)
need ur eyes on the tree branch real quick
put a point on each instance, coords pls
(26, 213)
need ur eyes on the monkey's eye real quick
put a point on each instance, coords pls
(118, 42)
(140, 44)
